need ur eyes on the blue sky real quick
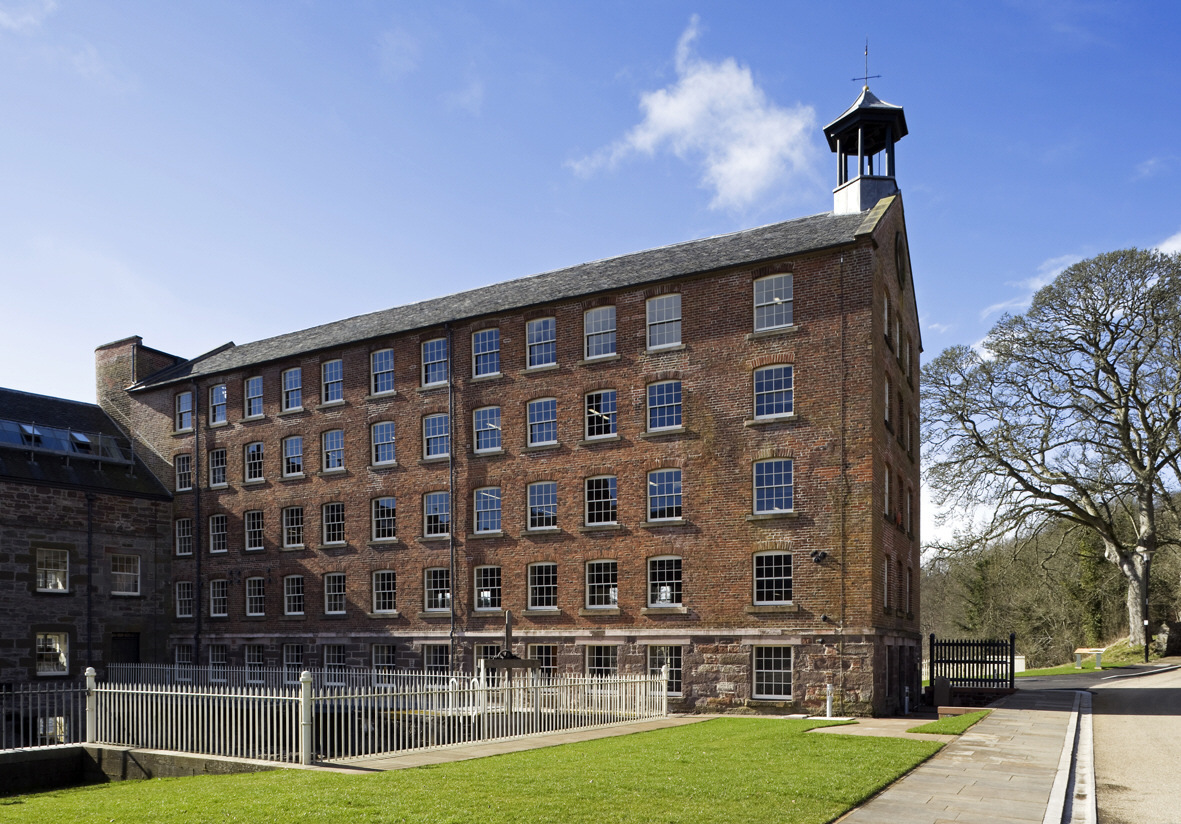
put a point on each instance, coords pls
(199, 172)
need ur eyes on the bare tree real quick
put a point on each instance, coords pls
(1069, 412)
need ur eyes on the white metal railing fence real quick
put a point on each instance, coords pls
(239, 722)
(380, 714)
(354, 723)
(44, 714)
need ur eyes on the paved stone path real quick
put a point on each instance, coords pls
(1002, 771)
(447, 754)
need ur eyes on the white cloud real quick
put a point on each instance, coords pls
(25, 16)
(1046, 272)
(97, 70)
(1152, 167)
(716, 117)
(469, 99)
(1170, 245)
(939, 328)
(398, 53)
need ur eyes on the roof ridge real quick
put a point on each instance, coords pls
(48, 397)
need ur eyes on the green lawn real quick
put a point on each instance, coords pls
(725, 770)
(952, 725)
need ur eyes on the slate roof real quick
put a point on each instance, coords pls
(79, 472)
(750, 246)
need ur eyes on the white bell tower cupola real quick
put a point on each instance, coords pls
(863, 138)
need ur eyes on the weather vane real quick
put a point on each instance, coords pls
(865, 78)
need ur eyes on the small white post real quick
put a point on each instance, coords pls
(664, 690)
(305, 718)
(91, 706)
(828, 701)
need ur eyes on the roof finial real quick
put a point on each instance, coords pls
(865, 78)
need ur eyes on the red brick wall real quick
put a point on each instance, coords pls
(840, 357)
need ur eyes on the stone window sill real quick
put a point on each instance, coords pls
(219, 486)
(587, 612)
(498, 533)
(434, 459)
(542, 612)
(533, 370)
(332, 546)
(299, 476)
(661, 433)
(660, 350)
(381, 466)
(299, 548)
(218, 424)
(541, 447)
(434, 614)
(330, 404)
(772, 516)
(665, 522)
(771, 333)
(664, 611)
(541, 530)
(253, 418)
(385, 543)
(604, 439)
(393, 613)
(433, 538)
(600, 359)
(600, 528)
(770, 609)
(770, 420)
(491, 376)
(381, 396)
(496, 612)
(328, 473)
(484, 453)
(299, 410)
(254, 481)
(433, 387)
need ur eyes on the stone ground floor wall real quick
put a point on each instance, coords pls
(719, 672)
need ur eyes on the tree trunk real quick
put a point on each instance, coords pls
(1132, 566)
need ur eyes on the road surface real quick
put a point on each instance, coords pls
(1137, 724)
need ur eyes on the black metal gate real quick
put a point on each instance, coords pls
(980, 664)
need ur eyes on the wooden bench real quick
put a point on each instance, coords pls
(1096, 651)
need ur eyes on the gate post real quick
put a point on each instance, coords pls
(931, 662)
(1013, 658)
(305, 718)
(91, 707)
(664, 691)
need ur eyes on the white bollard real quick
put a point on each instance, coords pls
(91, 706)
(828, 701)
(305, 719)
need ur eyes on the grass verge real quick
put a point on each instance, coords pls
(1119, 654)
(952, 725)
(741, 769)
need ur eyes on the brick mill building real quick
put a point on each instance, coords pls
(85, 542)
(703, 455)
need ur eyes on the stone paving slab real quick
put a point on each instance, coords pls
(1001, 771)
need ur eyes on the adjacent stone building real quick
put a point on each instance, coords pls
(703, 455)
(85, 539)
